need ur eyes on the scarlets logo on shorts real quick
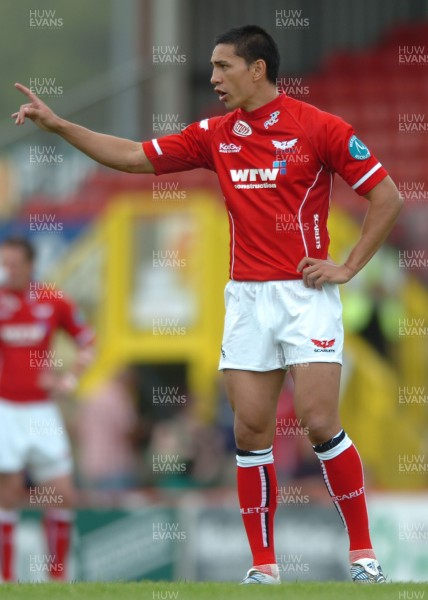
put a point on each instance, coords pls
(323, 345)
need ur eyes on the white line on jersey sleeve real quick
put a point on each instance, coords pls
(157, 147)
(366, 176)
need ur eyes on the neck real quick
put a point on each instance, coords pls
(260, 98)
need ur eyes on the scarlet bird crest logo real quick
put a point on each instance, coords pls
(323, 343)
(285, 145)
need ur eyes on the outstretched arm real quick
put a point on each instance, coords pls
(385, 204)
(117, 153)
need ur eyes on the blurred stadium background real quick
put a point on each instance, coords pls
(146, 258)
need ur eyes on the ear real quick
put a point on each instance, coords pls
(259, 69)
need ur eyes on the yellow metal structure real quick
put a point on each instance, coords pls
(371, 410)
(119, 341)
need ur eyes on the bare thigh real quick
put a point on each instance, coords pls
(254, 399)
(316, 399)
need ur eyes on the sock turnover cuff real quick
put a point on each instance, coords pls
(333, 447)
(254, 458)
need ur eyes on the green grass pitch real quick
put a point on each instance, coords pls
(148, 590)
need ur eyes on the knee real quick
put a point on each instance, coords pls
(320, 427)
(251, 435)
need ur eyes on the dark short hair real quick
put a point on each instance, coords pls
(252, 43)
(23, 243)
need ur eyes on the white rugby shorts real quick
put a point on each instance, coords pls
(275, 324)
(33, 436)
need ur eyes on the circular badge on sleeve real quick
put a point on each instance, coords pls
(358, 149)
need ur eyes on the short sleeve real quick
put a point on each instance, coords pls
(190, 149)
(344, 153)
(72, 321)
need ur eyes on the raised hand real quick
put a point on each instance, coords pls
(36, 110)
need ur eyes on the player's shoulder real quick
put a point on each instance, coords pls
(213, 124)
(309, 114)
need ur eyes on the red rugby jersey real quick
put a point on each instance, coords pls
(28, 321)
(276, 166)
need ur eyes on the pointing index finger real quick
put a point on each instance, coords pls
(26, 91)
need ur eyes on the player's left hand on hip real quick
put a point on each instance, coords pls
(316, 272)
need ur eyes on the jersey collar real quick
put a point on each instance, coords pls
(263, 111)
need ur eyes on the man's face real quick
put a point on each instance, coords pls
(232, 78)
(16, 266)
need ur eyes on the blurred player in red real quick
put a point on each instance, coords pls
(32, 432)
(275, 158)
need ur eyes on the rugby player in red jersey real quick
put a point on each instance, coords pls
(32, 432)
(282, 301)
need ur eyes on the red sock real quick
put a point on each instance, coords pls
(7, 531)
(58, 528)
(257, 489)
(343, 475)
